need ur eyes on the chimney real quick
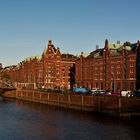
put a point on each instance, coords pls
(106, 42)
(49, 42)
(118, 42)
(97, 47)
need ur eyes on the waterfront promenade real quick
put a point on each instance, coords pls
(101, 104)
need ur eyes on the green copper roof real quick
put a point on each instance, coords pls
(114, 46)
(120, 47)
(128, 48)
(38, 57)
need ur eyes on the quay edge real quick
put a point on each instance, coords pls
(115, 106)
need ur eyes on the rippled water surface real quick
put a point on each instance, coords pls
(20, 120)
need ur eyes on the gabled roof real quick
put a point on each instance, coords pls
(58, 51)
(114, 46)
(10, 67)
(133, 46)
(96, 53)
(114, 49)
(69, 57)
(54, 49)
(38, 57)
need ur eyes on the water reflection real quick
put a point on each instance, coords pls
(22, 120)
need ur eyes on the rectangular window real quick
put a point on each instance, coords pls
(118, 72)
(118, 66)
(119, 76)
(132, 65)
(131, 70)
(131, 76)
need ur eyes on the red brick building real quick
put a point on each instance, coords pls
(51, 70)
(115, 67)
(56, 67)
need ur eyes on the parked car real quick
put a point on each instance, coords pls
(106, 93)
(58, 91)
(125, 93)
(115, 94)
(94, 90)
(83, 91)
(98, 92)
(136, 94)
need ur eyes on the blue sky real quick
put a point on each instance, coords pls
(73, 25)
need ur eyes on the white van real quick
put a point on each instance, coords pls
(94, 90)
(125, 93)
(98, 92)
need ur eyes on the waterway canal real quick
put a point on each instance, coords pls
(21, 120)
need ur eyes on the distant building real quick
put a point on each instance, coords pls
(115, 67)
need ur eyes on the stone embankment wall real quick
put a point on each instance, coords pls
(9, 94)
(101, 104)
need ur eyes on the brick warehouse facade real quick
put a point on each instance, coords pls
(51, 70)
(115, 67)
(56, 67)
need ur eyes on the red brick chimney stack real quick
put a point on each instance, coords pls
(106, 43)
(50, 42)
